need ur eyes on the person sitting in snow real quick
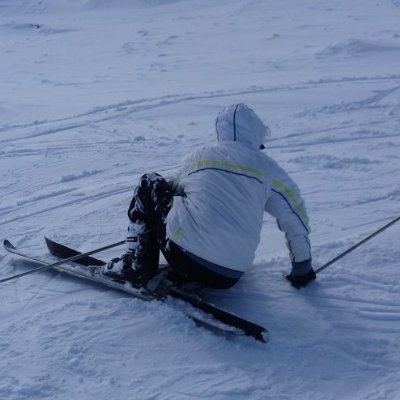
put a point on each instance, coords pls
(207, 222)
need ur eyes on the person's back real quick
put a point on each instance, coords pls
(211, 232)
(225, 186)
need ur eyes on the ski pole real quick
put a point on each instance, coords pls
(357, 245)
(69, 259)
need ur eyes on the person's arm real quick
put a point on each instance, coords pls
(287, 206)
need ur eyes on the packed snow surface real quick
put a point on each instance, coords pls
(94, 93)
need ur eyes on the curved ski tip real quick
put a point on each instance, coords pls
(8, 245)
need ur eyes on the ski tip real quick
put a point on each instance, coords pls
(8, 245)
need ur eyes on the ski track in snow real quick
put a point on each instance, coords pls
(111, 92)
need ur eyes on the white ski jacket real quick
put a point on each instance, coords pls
(225, 190)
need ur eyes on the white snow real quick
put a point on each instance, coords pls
(94, 93)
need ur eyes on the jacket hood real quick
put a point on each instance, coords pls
(239, 123)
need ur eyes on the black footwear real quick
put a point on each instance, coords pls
(123, 269)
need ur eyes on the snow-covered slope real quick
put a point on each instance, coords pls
(94, 93)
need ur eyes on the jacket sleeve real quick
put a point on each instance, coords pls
(287, 206)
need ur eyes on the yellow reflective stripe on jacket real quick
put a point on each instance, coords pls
(292, 197)
(178, 232)
(226, 164)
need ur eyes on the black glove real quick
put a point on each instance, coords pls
(298, 279)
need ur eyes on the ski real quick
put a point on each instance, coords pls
(247, 327)
(90, 273)
(221, 321)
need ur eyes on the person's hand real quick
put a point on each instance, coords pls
(301, 280)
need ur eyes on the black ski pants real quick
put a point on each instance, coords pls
(151, 202)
